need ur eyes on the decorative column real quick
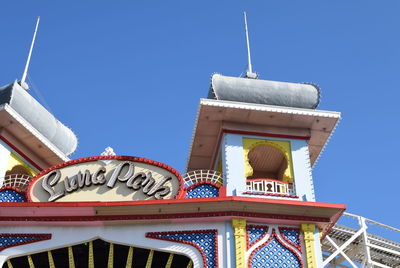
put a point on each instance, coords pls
(239, 227)
(308, 233)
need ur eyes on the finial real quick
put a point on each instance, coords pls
(23, 83)
(249, 73)
(108, 151)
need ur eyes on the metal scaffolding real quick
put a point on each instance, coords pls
(355, 247)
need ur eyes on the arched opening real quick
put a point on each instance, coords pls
(267, 162)
(103, 254)
(268, 165)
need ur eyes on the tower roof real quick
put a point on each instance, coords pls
(18, 106)
(215, 117)
(264, 92)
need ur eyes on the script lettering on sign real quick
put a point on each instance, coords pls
(106, 180)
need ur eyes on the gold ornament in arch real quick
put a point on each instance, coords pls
(282, 146)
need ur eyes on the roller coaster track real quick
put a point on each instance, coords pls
(355, 247)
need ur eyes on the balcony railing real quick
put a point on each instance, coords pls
(198, 176)
(19, 181)
(269, 186)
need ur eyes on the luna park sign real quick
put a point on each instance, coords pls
(105, 178)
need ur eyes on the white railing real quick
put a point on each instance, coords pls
(198, 176)
(269, 186)
(19, 181)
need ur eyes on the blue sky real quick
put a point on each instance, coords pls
(129, 74)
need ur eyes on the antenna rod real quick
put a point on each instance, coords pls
(30, 53)
(249, 68)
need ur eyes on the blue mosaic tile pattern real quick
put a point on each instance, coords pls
(202, 191)
(255, 233)
(7, 241)
(274, 254)
(206, 241)
(291, 235)
(11, 196)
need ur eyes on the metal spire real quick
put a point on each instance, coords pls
(23, 84)
(249, 73)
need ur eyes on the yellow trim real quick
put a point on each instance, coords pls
(283, 146)
(308, 232)
(91, 257)
(129, 258)
(150, 259)
(71, 260)
(111, 256)
(169, 262)
(30, 261)
(239, 227)
(13, 161)
(190, 264)
(51, 261)
(9, 264)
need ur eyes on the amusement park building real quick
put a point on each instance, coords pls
(247, 199)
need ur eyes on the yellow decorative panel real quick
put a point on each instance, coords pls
(282, 146)
(239, 227)
(13, 161)
(308, 233)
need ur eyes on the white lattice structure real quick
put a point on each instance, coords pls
(19, 181)
(355, 247)
(198, 176)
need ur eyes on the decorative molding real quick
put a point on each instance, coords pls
(283, 146)
(13, 240)
(270, 248)
(239, 227)
(205, 241)
(255, 233)
(165, 216)
(291, 236)
(308, 233)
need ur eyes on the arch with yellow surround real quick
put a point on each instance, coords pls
(282, 146)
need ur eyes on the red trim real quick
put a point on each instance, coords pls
(177, 201)
(201, 183)
(266, 134)
(179, 194)
(222, 191)
(13, 189)
(248, 234)
(163, 216)
(266, 179)
(203, 256)
(273, 234)
(287, 239)
(333, 222)
(20, 153)
(280, 195)
(39, 237)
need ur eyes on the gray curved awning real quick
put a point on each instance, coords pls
(41, 119)
(264, 92)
